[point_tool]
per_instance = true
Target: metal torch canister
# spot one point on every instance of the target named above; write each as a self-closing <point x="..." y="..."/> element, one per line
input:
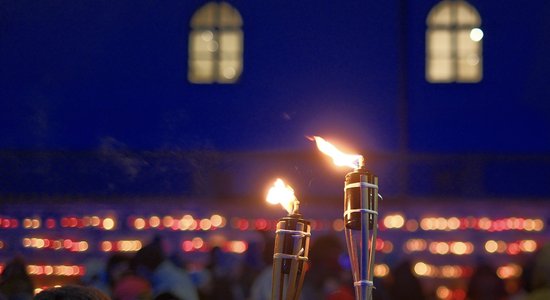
<point x="290" y="256"/>
<point x="362" y="188"/>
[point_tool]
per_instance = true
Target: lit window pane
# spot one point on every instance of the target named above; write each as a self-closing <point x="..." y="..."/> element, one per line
<point x="230" y="70"/>
<point x="231" y="41"/>
<point x="439" y="43"/>
<point x="440" y="15"/>
<point x="468" y="70"/>
<point x="229" y="17"/>
<point x="205" y="16"/>
<point x="202" y="71"/>
<point x="466" y="15"/>
<point x="465" y="45"/>
<point x="440" y="70"/>
<point x="198" y="43"/>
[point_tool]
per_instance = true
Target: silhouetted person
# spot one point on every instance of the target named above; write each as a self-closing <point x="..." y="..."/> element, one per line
<point x="221" y="285"/>
<point x="324" y="279"/>
<point x="485" y="284"/>
<point x="251" y="268"/>
<point x="15" y="283"/>
<point x="166" y="296"/>
<point x="403" y="283"/>
<point x="165" y="277"/>
<point x="132" y="287"/>
<point x="261" y="287"/>
<point x="72" y="292"/>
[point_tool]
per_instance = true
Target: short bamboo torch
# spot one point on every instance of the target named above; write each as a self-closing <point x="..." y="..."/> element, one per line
<point x="291" y="245"/>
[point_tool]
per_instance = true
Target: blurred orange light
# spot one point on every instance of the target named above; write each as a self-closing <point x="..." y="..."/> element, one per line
<point x="261" y="224"/>
<point x="154" y="221"/>
<point x="238" y="246"/>
<point x="459" y="248"/>
<point x="216" y="220"/>
<point x="108" y="223"/>
<point x="167" y="221"/>
<point x="197" y="243"/>
<point x="421" y="269"/>
<point x="381" y="270"/>
<point x="187" y="246"/>
<point x="50" y="223"/>
<point x="491" y="246"/>
<point x="539" y="225"/>
<point x="528" y="246"/>
<point x="205" y="224"/>
<point x="139" y="223"/>
<point x="106" y="246"/>
<point x="443" y="292"/>
<point x="394" y="221"/>
<point x="67" y="244"/>
<point x="338" y="225"/>
<point x="411" y="225"/>
<point x="95" y="221"/>
<point x="453" y="223"/>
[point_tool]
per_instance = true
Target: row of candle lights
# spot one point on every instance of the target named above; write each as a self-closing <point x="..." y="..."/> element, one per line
<point x="199" y="244"/>
<point x="216" y="221"/>
<point x="194" y="244"/>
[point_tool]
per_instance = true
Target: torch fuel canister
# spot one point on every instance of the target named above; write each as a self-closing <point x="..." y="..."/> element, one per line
<point x="288" y="242"/>
<point x="360" y="185"/>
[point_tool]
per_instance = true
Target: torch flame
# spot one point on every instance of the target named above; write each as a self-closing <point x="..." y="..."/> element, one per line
<point x="338" y="157"/>
<point x="283" y="194"/>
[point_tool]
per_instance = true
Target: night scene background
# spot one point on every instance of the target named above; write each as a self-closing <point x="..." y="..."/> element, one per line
<point x="106" y="143"/>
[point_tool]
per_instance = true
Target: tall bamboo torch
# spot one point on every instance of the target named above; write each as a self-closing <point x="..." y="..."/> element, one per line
<point x="360" y="216"/>
<point x="291" y="245"/>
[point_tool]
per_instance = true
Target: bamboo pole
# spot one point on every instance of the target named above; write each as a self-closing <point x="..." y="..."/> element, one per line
<point x="365" y="253"/>
<point x="278" y="283"/>
<point x="294" y="264"/>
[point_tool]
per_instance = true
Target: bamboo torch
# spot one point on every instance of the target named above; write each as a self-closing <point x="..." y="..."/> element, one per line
<point x="360" y="216"/>
<point x="291" y="245"/>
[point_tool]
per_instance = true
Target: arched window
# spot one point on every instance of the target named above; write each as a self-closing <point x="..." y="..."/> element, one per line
<point x="215" y="44"/>
<point x="454" y="43"/>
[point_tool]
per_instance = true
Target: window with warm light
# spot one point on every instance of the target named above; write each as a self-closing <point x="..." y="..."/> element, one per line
<point x="215" y="44"/>
<point x="454" y="43"/>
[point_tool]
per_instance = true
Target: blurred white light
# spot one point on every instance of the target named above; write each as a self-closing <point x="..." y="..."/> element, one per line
<point x="476" y="34"/>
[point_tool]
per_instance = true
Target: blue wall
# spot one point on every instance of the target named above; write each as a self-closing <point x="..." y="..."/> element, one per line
<point x="106" y="77"/>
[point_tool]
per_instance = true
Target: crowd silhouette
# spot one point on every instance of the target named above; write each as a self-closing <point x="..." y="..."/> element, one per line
<point x="150" y="274"/>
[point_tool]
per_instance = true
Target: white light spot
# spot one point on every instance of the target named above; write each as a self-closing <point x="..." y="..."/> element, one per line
<point x="212" y="46"/>
<point x="207" y="35"/>
<point x="476" y="34"/>
<point x="229" y="72"/>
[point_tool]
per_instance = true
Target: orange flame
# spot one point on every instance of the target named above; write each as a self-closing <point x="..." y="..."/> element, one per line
<point x="338" y="157"/>
<point x="282" y="194"/>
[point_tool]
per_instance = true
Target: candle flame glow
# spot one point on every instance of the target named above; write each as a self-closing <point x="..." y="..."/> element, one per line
<point x="283" y="194"/>
<point x="338" y="157"/>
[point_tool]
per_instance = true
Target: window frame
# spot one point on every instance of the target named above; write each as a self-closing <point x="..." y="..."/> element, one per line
<point x="211" y="22"/>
